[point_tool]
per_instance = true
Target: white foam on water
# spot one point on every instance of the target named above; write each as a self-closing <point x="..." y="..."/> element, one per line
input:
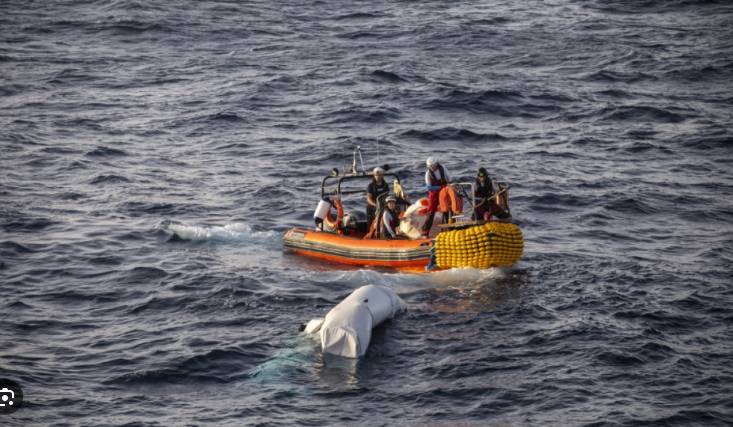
<point x="404" y="283"/>
<point x="228" y="233"/>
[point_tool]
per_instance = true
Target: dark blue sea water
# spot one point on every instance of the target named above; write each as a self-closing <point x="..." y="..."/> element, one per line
<point x="154" y="153"/>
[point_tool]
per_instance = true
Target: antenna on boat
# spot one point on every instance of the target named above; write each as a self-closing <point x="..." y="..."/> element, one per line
<point x="353" y="161"/>
<point x="354" y="171"/>
<point x="377" y="150"/>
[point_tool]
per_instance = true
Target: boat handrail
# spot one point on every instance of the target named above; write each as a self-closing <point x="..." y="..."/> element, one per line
<point x="470" y="196"/>
<point x="502" y="185"/>
<point x="346" y="178"/>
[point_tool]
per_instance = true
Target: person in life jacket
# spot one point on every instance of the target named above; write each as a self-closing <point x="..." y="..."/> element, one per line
<point x="390" y="219"/>
<point x="376" y="188"/>
<point x="483" y="190"/>
<point x="486" y="203"/>
<point x="436" y="177"/>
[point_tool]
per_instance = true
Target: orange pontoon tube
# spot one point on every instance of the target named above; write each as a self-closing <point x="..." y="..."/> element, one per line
<point x="398" y="254"/>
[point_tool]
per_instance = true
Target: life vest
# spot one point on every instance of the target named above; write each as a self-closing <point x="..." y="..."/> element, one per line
<point x="484" y="191"/>
<point x="449" y="200"/>
<point x="434" y="180"/>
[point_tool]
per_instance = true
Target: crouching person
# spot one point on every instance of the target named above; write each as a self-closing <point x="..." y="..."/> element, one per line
<point x="390" y="219"/>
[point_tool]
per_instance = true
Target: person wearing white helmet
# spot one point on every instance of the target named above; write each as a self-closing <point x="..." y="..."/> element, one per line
<point x="390" y="219"/>
<point x="376" y="188"/>
<point x="436" y="177"/>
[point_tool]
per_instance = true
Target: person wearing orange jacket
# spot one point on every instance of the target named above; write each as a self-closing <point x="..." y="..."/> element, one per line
<point x="436" y="177"/>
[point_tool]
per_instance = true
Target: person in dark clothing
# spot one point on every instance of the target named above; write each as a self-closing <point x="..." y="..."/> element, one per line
<point x="486" y="203"/>
<point x="376" y="188"/>
<point x="483" y="190"/>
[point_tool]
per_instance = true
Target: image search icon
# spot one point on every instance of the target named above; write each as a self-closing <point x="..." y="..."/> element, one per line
<point x="6" y="397"/>
<point x="11" y="396"/>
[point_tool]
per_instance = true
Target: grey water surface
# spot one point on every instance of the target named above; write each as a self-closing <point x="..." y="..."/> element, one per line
<point x="152" y="154"/>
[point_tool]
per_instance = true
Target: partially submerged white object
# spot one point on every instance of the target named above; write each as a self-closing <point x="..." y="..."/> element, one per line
<point x="347" y="328"/>
<point x="313" y="326"/>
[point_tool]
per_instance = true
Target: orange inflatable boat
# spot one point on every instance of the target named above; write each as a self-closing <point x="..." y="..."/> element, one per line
<point x="345" y="237"/>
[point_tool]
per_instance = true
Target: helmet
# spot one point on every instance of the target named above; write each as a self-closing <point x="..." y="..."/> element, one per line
<point x="390" y="198"/>
<point x="378" y="170"/>
<point x="482" y="172"/>
<point x="430" y="162"/>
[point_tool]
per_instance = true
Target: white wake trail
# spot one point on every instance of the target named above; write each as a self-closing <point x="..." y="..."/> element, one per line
<point x="228" y="233"/>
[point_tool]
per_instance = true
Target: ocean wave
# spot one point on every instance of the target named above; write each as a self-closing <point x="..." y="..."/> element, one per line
<point x="10" y="248"/>
<point x="708" y="143"/>
<point x="220" y="365"/>
<point x="644" y="113"/>
<point x="229" y="233"/>
<point x="611" y="76"/>
<point x="479" y="97"/>
<point x="140" y="208"/>
<point x="128" y="27"/>
<point x="493" y="102"/>
<point x="624" y="359"/>
<point x="559" y="201"/>
<point x="358" y="16"/>
<point x="496" y="20"/>
<point x="361" y="34"/>
<point x="144" y="274"/>
<point x="707" y="72"/>
<point x="70" y="76"/>
<point x="451" y="134"/>
<point x="109" y="179"/>
<point x="102" y="151"/>
<point x="630" y="205"/>
<point x="27" y="224"/>
<point x="387" y="76"/>
<point x="647" y="6"/>
<point x="224" y="116"/>
<point x="360" y="114"/>
<point x="12" y="89"/>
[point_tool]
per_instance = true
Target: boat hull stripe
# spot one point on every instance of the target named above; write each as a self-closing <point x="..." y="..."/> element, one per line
<point x="360" y="254"/>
